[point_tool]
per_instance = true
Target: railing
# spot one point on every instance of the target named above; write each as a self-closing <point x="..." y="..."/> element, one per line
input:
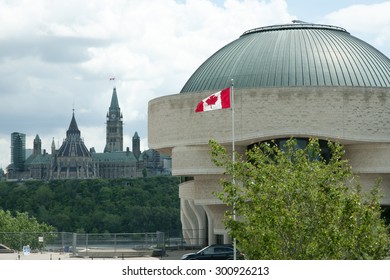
<point x="87" y="244"/>
<point x="187" y="239"/>
<point x="101" y="245"/>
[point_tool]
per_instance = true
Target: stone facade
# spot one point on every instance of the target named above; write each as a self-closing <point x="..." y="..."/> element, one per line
<point x="355" y="115"/>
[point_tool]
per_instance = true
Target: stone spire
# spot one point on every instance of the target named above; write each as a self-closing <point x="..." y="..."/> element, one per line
<point x="73" y="159"/>
<point x="53" y="147"/>
<point x="37" y="149"/>
<point x="73" y="145"/>
<point x="114" y="101"/>
<point x="73" y="128"/>
<point x="136" y="145"/>
<point x="114" y="126"/>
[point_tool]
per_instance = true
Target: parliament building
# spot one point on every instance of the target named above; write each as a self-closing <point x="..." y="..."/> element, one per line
<point x="73" y="160"/>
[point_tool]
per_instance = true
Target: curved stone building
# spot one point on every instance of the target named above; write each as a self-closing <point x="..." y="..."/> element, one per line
<point x="295" y="80"/>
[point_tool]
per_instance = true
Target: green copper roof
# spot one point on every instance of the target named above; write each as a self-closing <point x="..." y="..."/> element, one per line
<point x="114" y="100"/>
<point x="73" y="128"/>
<point x="293" y="55"/>
<point x="73" y="145"/>
<point x="38" y="159"/>
<point x="115" y="156"/>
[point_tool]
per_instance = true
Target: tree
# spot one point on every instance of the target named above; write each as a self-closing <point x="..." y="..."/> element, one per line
<point x="21" y="229"/>
<point x="293" y="204"/>
<point x="81" y="205"/>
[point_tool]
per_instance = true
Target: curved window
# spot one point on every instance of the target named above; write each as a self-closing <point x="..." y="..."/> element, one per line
<point x="301" y="144"/>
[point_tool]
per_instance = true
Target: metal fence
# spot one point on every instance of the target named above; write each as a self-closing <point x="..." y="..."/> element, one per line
<point x="87" y="244"/>
<point x="37" y="241"/>
<point x="104" y="244"/>
<point x="187" y="239"/>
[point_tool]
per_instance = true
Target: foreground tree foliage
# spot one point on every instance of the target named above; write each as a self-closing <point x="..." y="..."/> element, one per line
<point x="292" y="204"/>
<point x="21" y="225"/>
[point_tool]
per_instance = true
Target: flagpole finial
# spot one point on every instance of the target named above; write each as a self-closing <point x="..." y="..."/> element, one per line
<point x="232" y="81"/>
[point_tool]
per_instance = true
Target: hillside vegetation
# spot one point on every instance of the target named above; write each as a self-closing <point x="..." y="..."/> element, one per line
<point x="99" y="205"/>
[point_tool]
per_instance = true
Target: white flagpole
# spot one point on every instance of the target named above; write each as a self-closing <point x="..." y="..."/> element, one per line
<point x="232" y="103"/>
<point x="233" y="161"/>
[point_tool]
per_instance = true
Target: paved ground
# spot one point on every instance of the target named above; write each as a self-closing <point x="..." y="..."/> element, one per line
<point x="170" y="255"/>
<point x="36" y="256"/>
<point x="176" y="254"/>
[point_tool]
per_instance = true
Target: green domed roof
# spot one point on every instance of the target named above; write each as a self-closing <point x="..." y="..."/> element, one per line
<point x="293" y="55"/>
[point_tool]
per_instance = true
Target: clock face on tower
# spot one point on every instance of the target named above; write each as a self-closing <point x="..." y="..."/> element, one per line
<point x="113" y="116"/>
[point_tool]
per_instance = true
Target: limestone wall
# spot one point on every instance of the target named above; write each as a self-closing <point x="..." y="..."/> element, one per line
<point x="350" y="114"/>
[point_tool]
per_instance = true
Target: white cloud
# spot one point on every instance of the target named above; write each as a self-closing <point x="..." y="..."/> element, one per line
<point x="370" y="22"/>
<point x="5" y="146"/>
<point x="56" y="55"/>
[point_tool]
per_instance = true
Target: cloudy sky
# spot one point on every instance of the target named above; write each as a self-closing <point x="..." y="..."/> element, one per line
<point x="56" y="55"/>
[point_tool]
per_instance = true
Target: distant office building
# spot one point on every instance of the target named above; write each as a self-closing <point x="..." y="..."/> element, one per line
<point x="18" y="150"/>
<point x="18" y="154"/>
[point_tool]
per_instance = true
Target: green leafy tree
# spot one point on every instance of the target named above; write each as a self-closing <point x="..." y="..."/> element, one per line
<point x="291" y="203"/>
<point x="21" y="229"/>
<point x="98" y="205"/>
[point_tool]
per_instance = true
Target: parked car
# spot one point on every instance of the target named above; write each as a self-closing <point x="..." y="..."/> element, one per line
<point x="5" y="249"/>
<point x="213" y="252"/>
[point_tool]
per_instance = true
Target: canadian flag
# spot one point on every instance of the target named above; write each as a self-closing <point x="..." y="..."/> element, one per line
<point x="218" y="100"/>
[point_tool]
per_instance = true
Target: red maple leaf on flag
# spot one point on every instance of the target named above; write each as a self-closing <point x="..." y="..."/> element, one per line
<point x="212" y="100"/>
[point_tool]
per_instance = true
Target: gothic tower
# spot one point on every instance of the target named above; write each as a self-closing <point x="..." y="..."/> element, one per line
<point x="114" y="126"/>
<point x="37" y="149"/>
<point x="136" y="145"/>
<point x="53" y="147"/>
